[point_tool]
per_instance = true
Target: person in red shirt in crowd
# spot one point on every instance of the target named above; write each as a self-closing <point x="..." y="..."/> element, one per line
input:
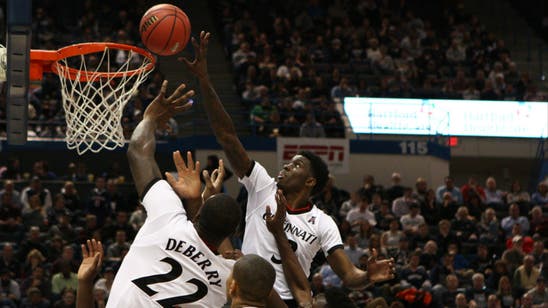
<point x="472" y="188"/>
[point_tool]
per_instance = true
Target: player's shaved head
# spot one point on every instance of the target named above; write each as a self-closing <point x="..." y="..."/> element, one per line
<point x="219" y="217"/>
<point x="254" y="276"/>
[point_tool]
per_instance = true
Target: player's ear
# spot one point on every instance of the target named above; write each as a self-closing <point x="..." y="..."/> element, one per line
<point x="310" y="182"/>
<point x="232" y="289"/>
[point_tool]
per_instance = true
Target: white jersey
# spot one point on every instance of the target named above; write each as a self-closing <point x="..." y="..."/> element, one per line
<point x="308" y="231"/>
<point x="168" y="264"/>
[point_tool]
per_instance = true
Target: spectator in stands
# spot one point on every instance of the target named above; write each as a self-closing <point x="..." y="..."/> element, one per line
<point x="390" y="240"/>
<point x="493" y="197"/>
<point x="421" y="189"/>
<point x="260" y="116"/>
<point x="413" y="273"/>
<point x="489" y="226"/>
<point x="514" y="218"/>
<point x="58" y="209"/>
<point x="68" y="299"/>
<point x="445" y="236"/>
<point x="67" y="257"/>
<point x="464" y="225"/>
<point x="456" y="53"/>
<point x="514" y="255"/>
<point x="37" y="279"/>
<point x="462" y="302"/>
<point x="137" y="218"/>
<point x="98" y="201"/>
<point x="33" y="241"/>
<point x="116" y="250"/>
<point x="518" y="195"/>
<point x="9" y="288"/>
<point x="242" y="55"/>
<point x="450" y="188"/>
<point x="35" y="188"/>
<point x="105" y="283"/>
<point x="349" y="204"/>
<point x="383" y="216"/>
<point x="401" y="205"/>
<point x="539" y="294"/>
<point x="540" y="197"/>
<point x="9" y="262"/>
<point x="395" y="190"/>
<point x="369" y="187"/>
<point x="40" y="170"/>
<point x="539" y="223"/>
<point x="472" y="188"/>
<point x="352" y="250"/>
<point x="66" y="278"/>
<point x="526" y="275"/>
<point x="478" y="292"/>
<point x="429" y="208"/>
<point x="422" y="236"/>
<point x="342" y="90"/>
<point x="9" y="188"/>
<point x="36" y="216"/>
<point x="448" y="207"/>
<point x="411" y="221"/>
<point x="120" y="223"/>
<point x="505" y="293"/>
<point x="361" y="213"/>
<point x="71" y="198"/>
<point x="63" y="228"/>
<point x="540" y="254"/>
<point x="11" y="227"/>
<point x="311" y="128"/>
<point x="445" y="294"/>
<point x="430" y="255"/>
<point x="116" y="200"/>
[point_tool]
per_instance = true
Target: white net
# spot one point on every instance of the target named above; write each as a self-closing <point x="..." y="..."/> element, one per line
<point x="95" y="97"/>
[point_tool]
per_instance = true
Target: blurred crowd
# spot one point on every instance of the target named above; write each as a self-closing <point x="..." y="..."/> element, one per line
<point x="294" y="61"/>
<point x="476" y="245"/>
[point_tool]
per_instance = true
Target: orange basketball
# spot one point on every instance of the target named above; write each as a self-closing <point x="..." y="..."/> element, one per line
<point x="165" y="29"/>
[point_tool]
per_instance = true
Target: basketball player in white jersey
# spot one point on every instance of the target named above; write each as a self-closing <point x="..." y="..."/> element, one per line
<point x="308" y="228"/>
<point x="173" y="261"/>
<point x="249" y="284"/>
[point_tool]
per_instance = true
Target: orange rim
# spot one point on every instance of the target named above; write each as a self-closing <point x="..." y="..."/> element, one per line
<point x="48" y="61"/>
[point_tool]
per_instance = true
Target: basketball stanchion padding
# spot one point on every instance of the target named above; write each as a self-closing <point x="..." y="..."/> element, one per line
<point x="97" y="80"/>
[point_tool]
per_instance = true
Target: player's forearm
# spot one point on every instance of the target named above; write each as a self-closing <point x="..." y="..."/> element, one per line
<point x="356" y="279"/>
<point x="141" y="155"/>
<point x="223" y="128"/>
<point x="294" y="274"/>
<point x="84" y="295"/>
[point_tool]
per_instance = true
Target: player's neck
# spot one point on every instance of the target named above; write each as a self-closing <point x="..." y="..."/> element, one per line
<point x="242" y="303"/>
<point x="297" y="201"/>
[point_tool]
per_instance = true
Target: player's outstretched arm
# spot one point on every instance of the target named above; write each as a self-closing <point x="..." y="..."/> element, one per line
<point x="294" y="274"/>
<point x="91" y="263"/>
<point x="355" y="278"/>
<point x="143" y="141"/>
<point x="220" y="121"/>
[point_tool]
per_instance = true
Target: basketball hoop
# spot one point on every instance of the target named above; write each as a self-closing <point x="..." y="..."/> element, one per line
<point x="97" y="81"/>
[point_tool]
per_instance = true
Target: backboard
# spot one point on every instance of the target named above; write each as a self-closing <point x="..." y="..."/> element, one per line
<point x="18" y="61"/>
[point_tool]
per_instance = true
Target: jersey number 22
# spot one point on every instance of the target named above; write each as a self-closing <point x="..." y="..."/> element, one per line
<point x="176" y="271"/>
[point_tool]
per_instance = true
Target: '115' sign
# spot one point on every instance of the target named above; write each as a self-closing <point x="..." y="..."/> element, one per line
<point x="414" y="147"/>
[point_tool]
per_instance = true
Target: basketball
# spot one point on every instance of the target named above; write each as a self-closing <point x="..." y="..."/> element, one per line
<point x="165" y="29"/>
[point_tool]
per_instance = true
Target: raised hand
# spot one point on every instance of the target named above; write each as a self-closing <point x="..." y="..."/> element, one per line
<point x="162" y="108"/>
<point x="187" y="185"/>
<point x="382" y="270"/>
<point x="275" y="223"/>
<point x="92" y="260"/>
<point x="213" y="183"/>
<point x="199" y="65"/>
